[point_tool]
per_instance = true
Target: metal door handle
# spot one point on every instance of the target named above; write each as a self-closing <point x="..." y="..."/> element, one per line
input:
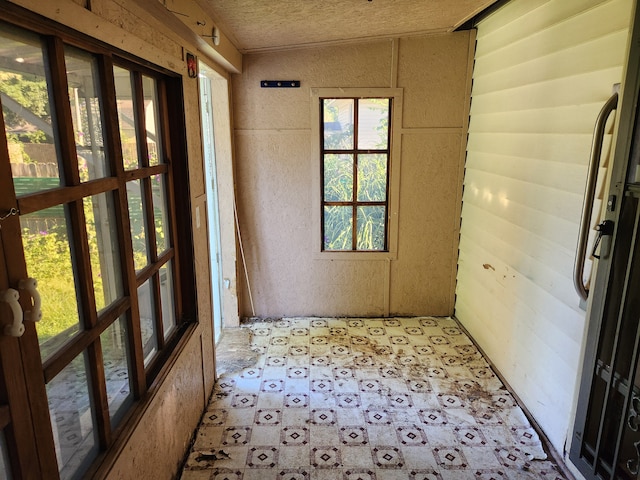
<point x="589" y="194"/>
<point x="605" y="229"/>
<point x="31" y="286"/>
<point x="16" y="327"/>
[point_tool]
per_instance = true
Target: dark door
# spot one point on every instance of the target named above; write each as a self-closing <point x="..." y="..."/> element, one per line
<point x="606" y="437"/>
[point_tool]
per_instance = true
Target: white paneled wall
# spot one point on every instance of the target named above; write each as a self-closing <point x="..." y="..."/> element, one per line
<point x="543" y="70"/>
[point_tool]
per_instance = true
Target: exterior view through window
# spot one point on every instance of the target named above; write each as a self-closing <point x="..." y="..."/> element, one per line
<point x="355" y="150"/>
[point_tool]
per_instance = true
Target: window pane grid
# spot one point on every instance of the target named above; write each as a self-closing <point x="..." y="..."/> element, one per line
<point x="79" y="111"/>
<point x="151" y="220"/>
<point x="355" y="150"/>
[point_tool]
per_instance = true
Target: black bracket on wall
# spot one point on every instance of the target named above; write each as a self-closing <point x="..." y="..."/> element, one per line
<point x="280" y="83"/>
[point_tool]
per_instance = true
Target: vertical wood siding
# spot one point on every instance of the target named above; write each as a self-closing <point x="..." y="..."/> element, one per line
<point x="543" y="70"/>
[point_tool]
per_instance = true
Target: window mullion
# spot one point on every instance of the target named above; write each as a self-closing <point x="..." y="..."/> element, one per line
<point x="113" y="143"/>
<point x="388" y="186"/>
<point x="147" y="199"/>
<point x="322" y="176"/>
<point x="147" y="203"/>
<point x="113" y="146"/>
<point x="386" y="203"/>
<point x="153" y="250"/>
<point x="354" y="199"/>
<point x="155" y="287"/>
<point x="354" y="209"/>
<point x="141" y="128"/>
<point x="64" y="120"/>
<point x="354" y="226"/>
<point x="82" y="264"/>
<point x="99" y="393"/>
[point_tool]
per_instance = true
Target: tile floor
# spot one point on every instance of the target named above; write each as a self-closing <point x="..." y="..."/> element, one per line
<point x="364" y="399"/>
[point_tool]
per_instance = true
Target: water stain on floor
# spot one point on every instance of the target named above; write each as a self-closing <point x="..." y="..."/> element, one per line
<point x="233" y="352"/>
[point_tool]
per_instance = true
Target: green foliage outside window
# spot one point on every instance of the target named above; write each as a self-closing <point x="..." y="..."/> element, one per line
<point x="30" y="92"/>
<point x="48" y="261"/>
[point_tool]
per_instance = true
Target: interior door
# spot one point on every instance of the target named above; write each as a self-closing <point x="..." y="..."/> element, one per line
<point x="606" y="437"/>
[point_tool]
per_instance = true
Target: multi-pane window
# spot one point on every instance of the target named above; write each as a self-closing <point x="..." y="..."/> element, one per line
<point x="355" y="152"/>
<point x="150" y="227"/>
<point x="94" y="145"/>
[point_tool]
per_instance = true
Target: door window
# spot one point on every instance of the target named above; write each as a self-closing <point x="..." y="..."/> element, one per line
<point x="98" y="229"/>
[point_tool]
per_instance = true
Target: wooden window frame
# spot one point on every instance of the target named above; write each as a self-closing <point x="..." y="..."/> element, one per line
<point x="355" y="152"/>
<point x="393" y="173"/>
<point x="143" y="382"/>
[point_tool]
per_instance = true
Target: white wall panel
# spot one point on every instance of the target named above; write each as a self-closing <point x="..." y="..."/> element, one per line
<point x="543" y="69"/>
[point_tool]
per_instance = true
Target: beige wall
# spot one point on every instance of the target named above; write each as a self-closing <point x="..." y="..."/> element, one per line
<point x="155" y="446"/>
<point x="274" y="168"/>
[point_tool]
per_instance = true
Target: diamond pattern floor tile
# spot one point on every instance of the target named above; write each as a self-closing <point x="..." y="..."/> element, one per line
<point x="363" y="399"/>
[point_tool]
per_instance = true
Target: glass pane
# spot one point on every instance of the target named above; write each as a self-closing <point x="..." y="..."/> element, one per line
<point x="166" y="296"/>
<point x="72" y="419"/>
<point x="86" y="111"/>
<point x="634" y="168"/>
<point x="372" y="178"/>
<point x="338" y="228"/>
<point x="373" y="123"/>
<point x="115" y="355"/>
<point x="27" y="114"/>
<point x="151" y="120"/>
<point x="126" y="118"/>
<point x="138" y="224"/>
<point x="338" y="123"/>
<point x="5" y="465"/>
<point x="338" y="178"/>
<point x="371" y="228"/>
<point x="47" y="253"/>
<point x="147" y="321"/>
<point x="103" y="248"/>
<point x="160" y="212"/>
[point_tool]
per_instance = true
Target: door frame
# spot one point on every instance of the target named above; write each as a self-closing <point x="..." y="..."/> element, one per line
<point x="226" y="198"/>
<point x="208" y="129"/>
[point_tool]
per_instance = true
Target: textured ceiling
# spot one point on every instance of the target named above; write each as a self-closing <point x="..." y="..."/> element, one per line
<point x="254" y="25"/>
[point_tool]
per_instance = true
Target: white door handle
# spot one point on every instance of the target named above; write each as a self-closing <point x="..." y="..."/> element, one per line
<point x="31" y="286"/>
<point x="16" y="328"/>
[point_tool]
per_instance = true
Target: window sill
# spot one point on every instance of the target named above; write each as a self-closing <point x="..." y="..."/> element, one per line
<point x="352" y="256"/>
